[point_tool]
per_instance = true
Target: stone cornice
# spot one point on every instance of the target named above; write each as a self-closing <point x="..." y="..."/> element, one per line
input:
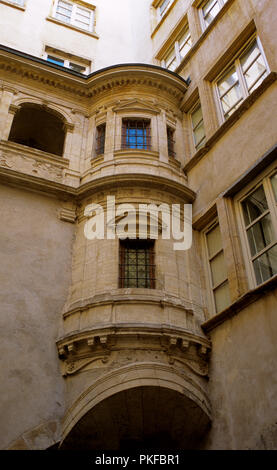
<point x="34" y="183"/>
<point x="39" y="71"/>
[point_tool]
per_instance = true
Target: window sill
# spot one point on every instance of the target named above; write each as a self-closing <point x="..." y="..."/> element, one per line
<point x="70" y="26"/>
<point x="14" y="5"/>
<point x="246" y="104"/>
<point x="240" y="304"/>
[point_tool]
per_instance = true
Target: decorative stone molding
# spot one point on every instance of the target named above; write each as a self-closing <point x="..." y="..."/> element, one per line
<point x="139" y="374"/>
<point x="115" y="77"/>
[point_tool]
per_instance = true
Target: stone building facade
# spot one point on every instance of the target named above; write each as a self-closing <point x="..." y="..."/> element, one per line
<point x="119" y="344"/>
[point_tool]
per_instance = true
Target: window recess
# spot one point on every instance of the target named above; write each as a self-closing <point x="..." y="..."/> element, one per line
<point x="197" y="124"/>
<point x="136" y="134"/>
<point x="173" y="58"/>
<point x="69" y="64"/>
<point x="218" y="280"/>
<point x="137" y="267"/>
<point x="100" y="139"/>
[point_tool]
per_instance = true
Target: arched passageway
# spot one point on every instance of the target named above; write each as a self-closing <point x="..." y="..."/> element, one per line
<point x="38" y="127"/>
<point x="146" y="417"/>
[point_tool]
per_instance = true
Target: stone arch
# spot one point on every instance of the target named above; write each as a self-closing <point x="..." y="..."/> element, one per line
<point x="60" y="111"/>
<point x="40" y="127"/>
<point x="159" y="383"/>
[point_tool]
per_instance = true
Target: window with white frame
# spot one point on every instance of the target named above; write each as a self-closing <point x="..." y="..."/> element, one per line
<point x="259" y="218"/>
<point x="74" y="14"/>
<point x="217" y="272"/>
<point x="178" y="51"/>
<point x="209" y="9"/>
<point x="197" y="124"/>
<point x="163" y="7"/>
<point x="66" y="63"/>
<point x="20" y="3"/>
<point x="241" y="78"/>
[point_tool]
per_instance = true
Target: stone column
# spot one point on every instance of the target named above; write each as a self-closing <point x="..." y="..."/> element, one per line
<point x="163" y="148"/>
<point x="69" y="128"/>
<point x="7" y="112"/>
<point x="113" y="132"/>
<point x="90" y="142"/>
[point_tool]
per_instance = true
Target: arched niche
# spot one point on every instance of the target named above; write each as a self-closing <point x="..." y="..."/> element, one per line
<point x="39" y="127"/>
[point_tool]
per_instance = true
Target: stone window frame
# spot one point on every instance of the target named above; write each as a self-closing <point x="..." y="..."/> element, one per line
<point x="151" y="266"/>
<point x="175" y="47"/>
<point x="264" y="180"/>
<point x="193" y="108"/>
<point x="158" y="18"/>
<point x="134" y="114"/>
<point x="211" y="287"/>
<point x="235" y="62"/>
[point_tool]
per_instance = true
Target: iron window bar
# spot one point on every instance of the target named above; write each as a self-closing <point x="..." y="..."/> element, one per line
<point x="136" y="134"/>
<point x="136" y="267"/>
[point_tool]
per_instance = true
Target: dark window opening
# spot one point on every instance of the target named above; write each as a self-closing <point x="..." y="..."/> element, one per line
<point x="100" y="139"/>
<point x="137" y="268"/>
<point x="136" y="134"/>
<point x="39" y="128"/>
<point x="170" y="142"/>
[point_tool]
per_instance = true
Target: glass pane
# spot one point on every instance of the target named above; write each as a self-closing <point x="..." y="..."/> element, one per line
<point x="164" y="5"/>
<point x="260" y="235"/>
<point x="55" y="60"/>
<point x="249" y="56"/>
<point x="218" y="269"/>
<point x="222" y="297"/>
<point x="185" y="44"/>
<point x="258" y="69"/>
<point x="196" y="116"/>
<point x="254" y="206"/>
<point x="266" y="266"/>
<point x="76" y="67"/>
<point x="210" y="10"/>
<point x="274" y="185"/>
<point x="170" y="60"/>
<point x="214" y="241"/>
<point x="229" y="80"/>
<point x="64" y="11"/>
<point x="199" y="135"/>
<point x="231" y="100"/>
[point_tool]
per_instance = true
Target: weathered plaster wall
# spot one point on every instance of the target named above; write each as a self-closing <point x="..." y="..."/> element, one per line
<point x="243" y="379"/>
<point x="122" y="27"/>
<point x="35" y="272"/>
